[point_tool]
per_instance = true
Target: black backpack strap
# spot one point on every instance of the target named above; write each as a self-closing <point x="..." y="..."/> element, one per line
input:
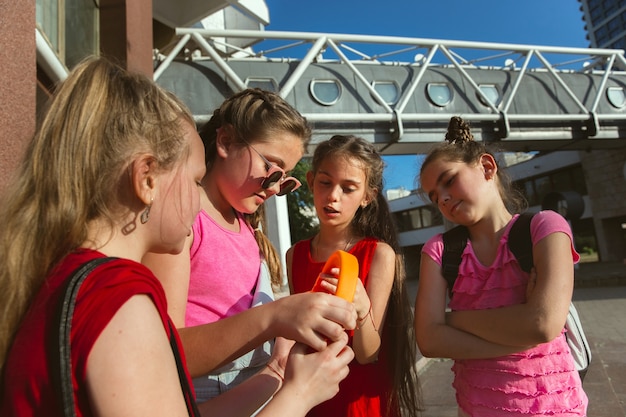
<point x="190" y="400"/>
<point x="520" y="242"/>
<point x="62" y="367"/>
<point x="454" y="242"/>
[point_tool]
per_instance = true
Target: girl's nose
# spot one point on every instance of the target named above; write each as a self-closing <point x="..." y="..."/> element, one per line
<point x="334" y="193"/>
<point x="274" y="189"/>
<point x="444" y="197"/>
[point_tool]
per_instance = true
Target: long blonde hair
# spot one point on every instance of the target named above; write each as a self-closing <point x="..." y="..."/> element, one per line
<point x="76" y="170"/>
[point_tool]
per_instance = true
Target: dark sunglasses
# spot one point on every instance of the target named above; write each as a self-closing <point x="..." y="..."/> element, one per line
<point x="276" y="174"/>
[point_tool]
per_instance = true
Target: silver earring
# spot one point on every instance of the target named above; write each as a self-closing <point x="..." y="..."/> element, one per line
<point x="145" y="215"/>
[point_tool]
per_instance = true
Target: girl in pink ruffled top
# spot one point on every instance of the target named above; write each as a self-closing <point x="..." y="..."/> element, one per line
<point x="505" y="327"/>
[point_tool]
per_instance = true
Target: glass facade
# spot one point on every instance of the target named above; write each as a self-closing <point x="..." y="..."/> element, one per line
<point x="605" y="23"/>
<point x="568" y="179"/>
<point x="70" y="26"/>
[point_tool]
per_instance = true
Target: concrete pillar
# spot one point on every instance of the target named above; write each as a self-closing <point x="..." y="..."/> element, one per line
<point x="126" y="33"/>
<point x="18" y="83"/>
<point x="277" y="220"/>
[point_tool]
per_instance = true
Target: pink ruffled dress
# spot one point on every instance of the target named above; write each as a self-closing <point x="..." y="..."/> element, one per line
<point x="540" y="381"/>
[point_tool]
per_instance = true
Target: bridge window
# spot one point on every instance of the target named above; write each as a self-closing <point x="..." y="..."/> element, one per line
<point x="439" y="94"/>
<point x="491" y="92"/>
<point x="616" y="96"/>
<point x="388" y="90"/>
<point x="267" y="84"/>
<point x="326" y="92"/>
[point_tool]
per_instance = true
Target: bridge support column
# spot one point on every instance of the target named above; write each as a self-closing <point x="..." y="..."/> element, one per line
<point x="277" y="220"/>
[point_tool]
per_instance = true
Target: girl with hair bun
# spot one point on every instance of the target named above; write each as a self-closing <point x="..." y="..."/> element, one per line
<point x="505" y="327"/>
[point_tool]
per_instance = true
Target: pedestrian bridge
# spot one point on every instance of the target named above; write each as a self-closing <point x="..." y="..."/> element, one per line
<point x="400" y="93"/>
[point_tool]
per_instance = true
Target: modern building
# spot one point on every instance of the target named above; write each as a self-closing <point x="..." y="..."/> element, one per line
<point x="605" y="23"/>
<point x="41" y="39"/>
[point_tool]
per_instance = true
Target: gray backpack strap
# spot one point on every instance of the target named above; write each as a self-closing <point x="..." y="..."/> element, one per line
<point x="577" y="342"/>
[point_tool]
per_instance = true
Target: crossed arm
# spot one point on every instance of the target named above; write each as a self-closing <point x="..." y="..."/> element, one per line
<point x="496" y="332"/>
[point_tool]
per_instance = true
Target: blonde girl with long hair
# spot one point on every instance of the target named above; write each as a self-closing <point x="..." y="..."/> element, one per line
<point x="114" y="171"/>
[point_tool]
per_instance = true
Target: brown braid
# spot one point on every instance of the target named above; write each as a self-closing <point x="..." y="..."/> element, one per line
<point x="258" y="223"/>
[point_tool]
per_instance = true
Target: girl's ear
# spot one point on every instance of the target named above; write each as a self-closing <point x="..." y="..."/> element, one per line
<point x="489" y="165"/>
<point x="144" y="178"/>
<point x="225" y="138"/>
<point x="309" y="179"/>
<point x="367" y="199"/>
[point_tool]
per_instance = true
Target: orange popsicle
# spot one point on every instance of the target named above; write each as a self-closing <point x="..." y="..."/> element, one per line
<point x="348" y="274"/>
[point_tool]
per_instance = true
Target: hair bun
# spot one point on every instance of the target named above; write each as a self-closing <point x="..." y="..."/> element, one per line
<point x="458" y="131"/>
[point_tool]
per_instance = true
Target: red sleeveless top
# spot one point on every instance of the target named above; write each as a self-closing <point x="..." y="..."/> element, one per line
<point x="365" y="391"/>
<point x="28" y="379"/>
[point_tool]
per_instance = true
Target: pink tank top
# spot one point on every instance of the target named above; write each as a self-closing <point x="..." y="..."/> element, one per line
<point x="224" y="270"/>
<point x="540" y="381"/>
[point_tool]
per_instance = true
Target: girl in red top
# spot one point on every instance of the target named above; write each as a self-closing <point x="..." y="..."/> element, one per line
<point x="346" y="181"/>
<point x="114" y="171"/>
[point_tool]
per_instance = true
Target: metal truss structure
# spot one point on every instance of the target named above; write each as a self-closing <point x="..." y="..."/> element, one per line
<point x="524" y="97"/>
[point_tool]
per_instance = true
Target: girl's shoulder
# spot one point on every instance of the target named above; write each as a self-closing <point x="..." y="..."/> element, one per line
<point x="547" y="222"/>
<point x="434" y="247"/>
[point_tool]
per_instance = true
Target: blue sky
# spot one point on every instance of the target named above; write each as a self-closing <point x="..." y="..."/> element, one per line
<point x="531" y="22"/>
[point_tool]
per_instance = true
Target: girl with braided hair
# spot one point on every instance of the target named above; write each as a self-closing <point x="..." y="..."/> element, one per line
<point x="220" y="287"/>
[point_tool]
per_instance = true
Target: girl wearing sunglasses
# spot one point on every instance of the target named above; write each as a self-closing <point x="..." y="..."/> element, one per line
<point x="222" y="308"/>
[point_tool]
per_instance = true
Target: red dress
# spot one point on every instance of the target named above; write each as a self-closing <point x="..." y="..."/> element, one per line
<point x="28" y="384"/>
<point x="365" y="391"/>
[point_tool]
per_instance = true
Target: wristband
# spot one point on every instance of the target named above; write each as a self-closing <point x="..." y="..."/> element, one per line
<point x="361" y="321"/>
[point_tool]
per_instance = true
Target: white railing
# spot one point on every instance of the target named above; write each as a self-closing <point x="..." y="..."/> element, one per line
<point x="356" y="51"/>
